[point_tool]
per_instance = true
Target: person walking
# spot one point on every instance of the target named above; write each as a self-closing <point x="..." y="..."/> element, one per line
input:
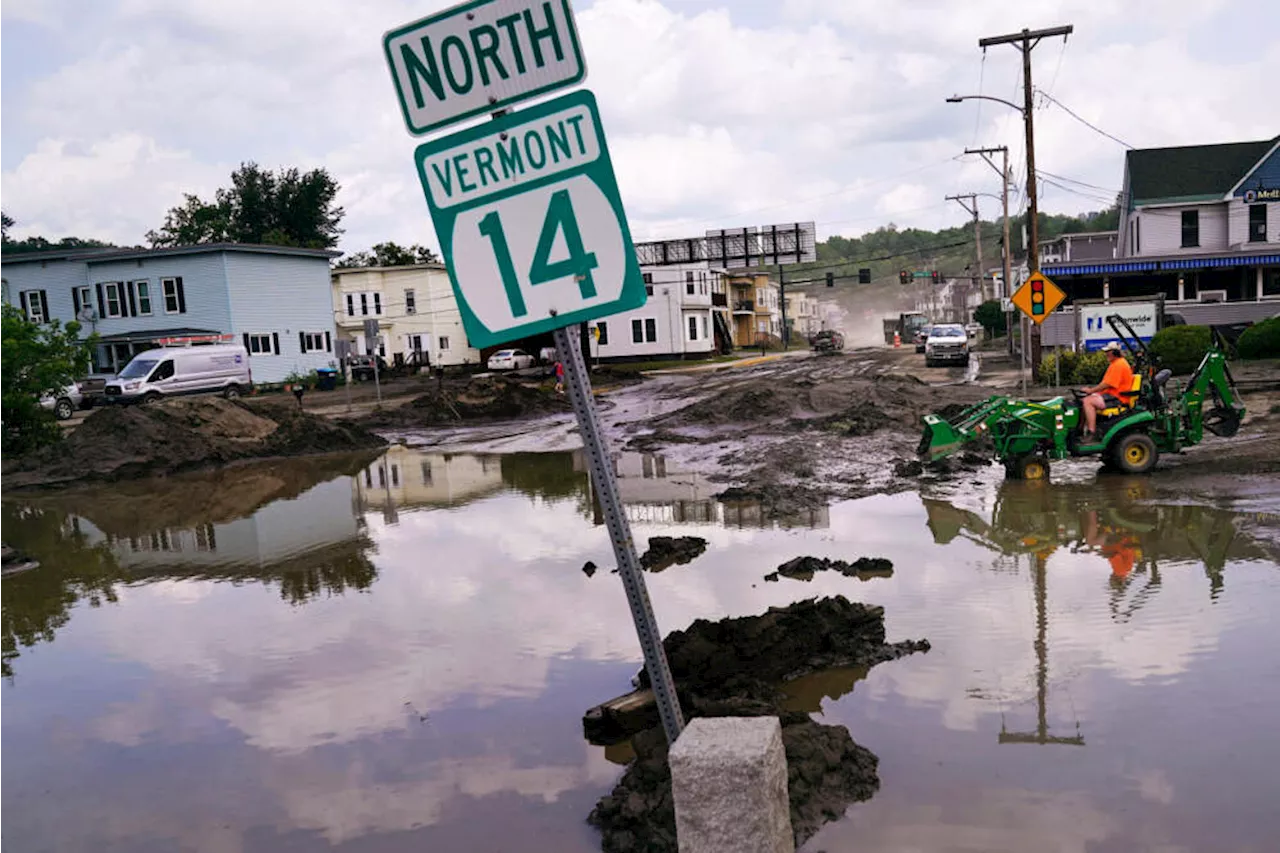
<point x="560" y="378"/>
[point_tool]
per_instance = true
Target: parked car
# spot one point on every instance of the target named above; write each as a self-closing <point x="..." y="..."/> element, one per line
<point x="922" y="335"/>
<point x="947" y="342"/>
<point x="173" y="371"/>
<point x="547" y="355"/>
<point x="510" y="359"/>
<point x="362" y="367"/>
<point x="65" y="402"/>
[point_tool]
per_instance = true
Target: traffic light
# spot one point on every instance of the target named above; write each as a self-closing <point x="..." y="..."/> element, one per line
<point x="1037" y="297"/>
<point x="936" y="278"/>
<point x="864" y="275"/>
<point x="831" y="279"/>
<point x="904" y="277"/>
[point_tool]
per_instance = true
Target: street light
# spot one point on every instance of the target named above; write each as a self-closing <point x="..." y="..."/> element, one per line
<point x="955" y="99"/>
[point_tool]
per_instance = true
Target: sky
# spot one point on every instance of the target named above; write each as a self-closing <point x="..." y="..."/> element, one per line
<point x="718" y="114"/>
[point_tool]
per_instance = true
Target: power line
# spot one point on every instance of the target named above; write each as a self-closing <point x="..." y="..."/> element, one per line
<point x="1085" y="122"/>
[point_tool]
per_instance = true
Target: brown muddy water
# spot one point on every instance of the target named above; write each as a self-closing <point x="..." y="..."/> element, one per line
<point x="396" y="654"/>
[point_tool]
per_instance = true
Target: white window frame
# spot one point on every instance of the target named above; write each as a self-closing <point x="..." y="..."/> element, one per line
<point x="109" y="287"/>
<point x="377" y="304"/>
<point x="313" y="342"/>
<point x="702" y="325"/>
<point x="1201" y="294"/>
<point x="139" y="287"/>
<point x="262" y="339"/>
<point x="351" y="304"/>
<point x="443" y="342"/>
<point x="169" y="290"/>
<point x="364" y="305"/>
<point x="693" y="327"/>
<point x="650" y="325"/>
<point x="35" y="308"/>
<point x="86" y="298"/>
<point x="603" y="326"/>
<point x="410" y="301"/>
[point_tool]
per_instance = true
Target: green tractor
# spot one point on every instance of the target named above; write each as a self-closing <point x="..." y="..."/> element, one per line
<point x="1152" y="420"/>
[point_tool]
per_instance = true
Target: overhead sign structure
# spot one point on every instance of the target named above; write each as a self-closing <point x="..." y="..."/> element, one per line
<point x="1096" y="332"/>
<point x="530" y="221"/>
<point x="1038" y="297"/>
<point x="481" y="57"/>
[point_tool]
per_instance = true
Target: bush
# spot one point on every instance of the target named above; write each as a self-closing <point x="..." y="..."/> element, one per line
<point x="1261" y="340"/>
<point x="1181" y="348"/>
<point x="989" y="316"/>
<point x="1078" y="368"/>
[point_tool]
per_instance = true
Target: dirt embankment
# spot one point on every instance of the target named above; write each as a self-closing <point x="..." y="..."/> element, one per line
<point x="480" y="399"/>
<point x="122" y="442"/>
<point x="734" y="667"/>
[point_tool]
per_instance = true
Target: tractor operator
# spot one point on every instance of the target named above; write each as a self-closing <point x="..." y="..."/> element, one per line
<point x="1116" y="383"/>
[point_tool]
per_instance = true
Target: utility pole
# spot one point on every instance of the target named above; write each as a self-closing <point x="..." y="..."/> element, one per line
<point x="1005" y="180"/>
<point x="1026" y="42"/>
<point x="782" y="298"/>
<point x="977" y="235"/>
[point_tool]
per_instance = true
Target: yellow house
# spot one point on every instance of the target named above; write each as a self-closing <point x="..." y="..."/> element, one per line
<point x="754" y="304"/>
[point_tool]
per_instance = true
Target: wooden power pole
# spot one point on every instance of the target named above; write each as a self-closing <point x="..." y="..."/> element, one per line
<point x="969" y="202"/>
<point x="1007" y="248"/>
<point x="1026" y="41"/>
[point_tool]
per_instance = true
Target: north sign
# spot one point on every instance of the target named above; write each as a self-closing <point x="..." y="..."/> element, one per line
<point x="481" y="57"/>
<point x="530" y="222"/>
<point x="1038" y="297"/>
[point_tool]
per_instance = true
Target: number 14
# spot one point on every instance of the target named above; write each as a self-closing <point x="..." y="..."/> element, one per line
<point x="579" y="264"/>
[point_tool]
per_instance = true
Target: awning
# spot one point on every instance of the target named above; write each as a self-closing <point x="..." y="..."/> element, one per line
<point x="1159" y="264"/>
<point x="150" y="335"/>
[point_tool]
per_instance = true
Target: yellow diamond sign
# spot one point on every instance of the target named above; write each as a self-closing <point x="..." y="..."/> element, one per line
<point x="1038" y="297"/>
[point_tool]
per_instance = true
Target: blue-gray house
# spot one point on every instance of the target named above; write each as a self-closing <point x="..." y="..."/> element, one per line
<point x="275" y="299"/>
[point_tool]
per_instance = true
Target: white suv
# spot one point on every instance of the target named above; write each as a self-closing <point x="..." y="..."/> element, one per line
<point x="947" y="342"/>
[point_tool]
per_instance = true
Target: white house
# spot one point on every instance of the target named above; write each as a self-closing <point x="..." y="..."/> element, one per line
<point x="273" y="298"/>
<point x="679" y="319"/>
<point x="418" y="317"/>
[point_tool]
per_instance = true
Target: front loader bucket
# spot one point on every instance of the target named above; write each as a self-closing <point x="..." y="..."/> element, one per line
<point x="940" y="438"/>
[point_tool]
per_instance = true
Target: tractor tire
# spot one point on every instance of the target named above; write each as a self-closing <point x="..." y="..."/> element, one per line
<point x="1134" y="453"/>
<point x="1033" y="466"/>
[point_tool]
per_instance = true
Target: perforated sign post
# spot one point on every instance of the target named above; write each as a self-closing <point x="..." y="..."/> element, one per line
<point x="531" y="227"/>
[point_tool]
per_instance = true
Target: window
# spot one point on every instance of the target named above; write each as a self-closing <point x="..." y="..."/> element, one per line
<point x="648" y="283"/>
<point x="1137" y="235"/>
<point x="395" y="475"/>
<point x="410" y="302"/>
<point x="35" y="304"/>
<point x="364" y="304"/>
<point x="83" y="298"/>
<point x="762" y="325"/>
<point x="377" y="304"/>
<point x="175" y="300"/>
<point x="143" y="289"/>
<point x="351" y="305"/>
<point x="415" y="343"/>
<point x="637" y="332"/>
<point x="702" y="325"/>
<point x="259" y="344"/>
<point x="1271" y="283"/>
<point x="688" y="283"/>
<point x="603" y="329"/>
<point x="444" y="342"/>
<point x="427" y="479"/>
<point x="164" y="371"/>
<point x="693" y="328"/>
<point x="651" y="330"/>
<point x="1257" y="223"/>
<point x="1190" y="228"/>
<point x="114" y="306"/>
<point x="311" y="341"/>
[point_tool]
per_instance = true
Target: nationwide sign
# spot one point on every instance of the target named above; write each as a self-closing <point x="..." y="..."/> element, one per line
<point x="482" y="57"/>
<point x="530" y="221"/>
<point x="1096" y="332"/>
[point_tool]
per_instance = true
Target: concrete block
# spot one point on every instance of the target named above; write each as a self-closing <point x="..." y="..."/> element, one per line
<point x="729" y="783"/>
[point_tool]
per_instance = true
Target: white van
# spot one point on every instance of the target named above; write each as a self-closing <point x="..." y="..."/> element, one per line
<point x="172" y="371"/>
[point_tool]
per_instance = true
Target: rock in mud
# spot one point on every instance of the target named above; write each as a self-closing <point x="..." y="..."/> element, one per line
<point x="120" y="442"/>
<point x="776" y="500"/>
<point x="908" y="468"/>
<point x="482" y="398"/>
<point x="804" y="568"/>
<point x="666" y="551"/>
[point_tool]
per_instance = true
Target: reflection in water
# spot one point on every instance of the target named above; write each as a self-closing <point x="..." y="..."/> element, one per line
<point x="287" y="524"/>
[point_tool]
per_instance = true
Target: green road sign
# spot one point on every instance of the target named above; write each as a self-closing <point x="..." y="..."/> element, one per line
<point x="530" y="222"/>
<point x="480" y="57"/>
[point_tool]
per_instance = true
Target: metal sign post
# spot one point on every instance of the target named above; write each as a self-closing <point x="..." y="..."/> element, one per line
<point x="600" y="465"/>
<point x="372" y="337"/>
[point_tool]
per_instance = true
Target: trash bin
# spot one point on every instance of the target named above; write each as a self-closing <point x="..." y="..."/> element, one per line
<point x="326" y="379"/>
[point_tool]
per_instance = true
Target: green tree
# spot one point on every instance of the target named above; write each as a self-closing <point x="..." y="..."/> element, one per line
<point x="389" y="255"/>
<point x="989" y="316"/>
<point x="284" y="208"/>
<point x="38" y="359"/>
<point x="42" y="244"/>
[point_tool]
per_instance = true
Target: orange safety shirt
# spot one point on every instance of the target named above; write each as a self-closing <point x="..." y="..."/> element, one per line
<point x="1118" y="379"/>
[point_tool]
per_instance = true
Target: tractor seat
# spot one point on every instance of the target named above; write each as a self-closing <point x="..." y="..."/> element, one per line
<point x="1155" y="393"/>
<point x="1127" y="399"/>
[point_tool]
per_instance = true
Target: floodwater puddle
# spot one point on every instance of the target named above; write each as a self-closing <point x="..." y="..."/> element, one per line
<point x="389" y="652"/>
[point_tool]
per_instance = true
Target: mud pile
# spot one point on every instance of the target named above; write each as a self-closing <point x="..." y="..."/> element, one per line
<point x="483" y="398"/>
<point x="667" y="551"/>
<point x="734" y="667"/>
<point x="804" y="568"/>
<point x="121" y="442"/>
